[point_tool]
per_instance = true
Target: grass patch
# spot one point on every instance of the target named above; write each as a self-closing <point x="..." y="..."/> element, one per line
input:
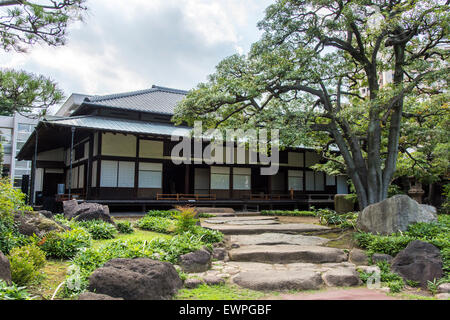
<point x="138" y="235"/>
<point x="218" y="292"/>
<point x="55" y="273"/>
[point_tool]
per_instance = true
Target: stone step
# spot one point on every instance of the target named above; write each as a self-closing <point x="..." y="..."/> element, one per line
<point x="277" y="238"/>
<point x="287" y="254"/>
<point x="235" y="214"/>
<point x="245" y="222"/>
<point x="292" y="228"/>
<point x="279" y="280"/>
<point x="222" y="220"/>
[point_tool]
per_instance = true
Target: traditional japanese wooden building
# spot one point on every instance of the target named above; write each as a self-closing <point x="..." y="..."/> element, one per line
<point x="116" y="150"/>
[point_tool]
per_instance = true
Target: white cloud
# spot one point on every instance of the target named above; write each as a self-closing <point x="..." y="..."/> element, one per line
<point x="130" y="45"/>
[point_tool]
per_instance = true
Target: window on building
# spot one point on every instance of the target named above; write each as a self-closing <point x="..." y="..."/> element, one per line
<point x="242" y="178"/>
<point x="220" y="178"/>
<point x="150" y="175"/>
<point x="315" y="181"/>
<point x="117" y="174"/>
<point x="295" y="180"/>
<point x="5" y="139"/>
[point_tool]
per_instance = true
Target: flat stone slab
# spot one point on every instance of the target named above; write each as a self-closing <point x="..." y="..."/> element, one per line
<point x="242" y="220"/>
<point x="287" y="254"/>
<point x="234" y="214"/>
<point x="277" y="238"/>
<point x="279" y="281"/>
<point x="292" y="228"/>
<point x="336" y="294"/>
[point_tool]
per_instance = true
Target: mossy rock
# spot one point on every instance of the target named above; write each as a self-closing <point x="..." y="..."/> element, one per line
<point x="30" y="223"/>
<point x="342" y="204"/>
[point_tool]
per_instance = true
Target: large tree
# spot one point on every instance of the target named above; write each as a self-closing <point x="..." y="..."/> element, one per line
<point x="24" y="23"/>
<point x="317" y="74"/>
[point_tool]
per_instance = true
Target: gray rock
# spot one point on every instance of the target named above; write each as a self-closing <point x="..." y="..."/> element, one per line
<point x="271" y="228"/>
<point x="280" y="280"/>
<point x="192" y="283"/>
<point x="341" y="277"/>
<point x="70" y="207"/>
<point x="443" y="296"/>
<point x="213" y="280"/>
<point x="197" y="261"/>
<point x="278" y="238"/>
<point x="5" y="269"/>
<point x="429" y="208"/>
<point x="343" y="205"/>
<point x="219" y="253"/>
<point x="358" y="257"/>
<point x="419" y="261"/>
<point x="29" y="223"/>
<point x="393" y="215"/>
<point x="444" y="288"/>
<point x="287" y="254"/>
<point x="96" y="296"/>
<point x="47" y="214"/>
<point x="136" y="279"/>
<point x="86" y="211"/>
<point x="377" y="257"/>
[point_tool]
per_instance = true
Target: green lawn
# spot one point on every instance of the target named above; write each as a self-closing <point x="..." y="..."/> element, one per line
<point x="137" y="235"/>
<point x="218" y="292"/>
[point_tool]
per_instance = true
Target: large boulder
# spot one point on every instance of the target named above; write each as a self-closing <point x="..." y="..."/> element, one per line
<point x="393" y="215"/>
<point x="5" y="269"/>
<point x="136" y="279"/>
<point x="342" y="204"/>
<point x="419" y="261"/>
<point x="197" y="261"/>
<point x="86" y="211"/>
<point x="29" y="223"/>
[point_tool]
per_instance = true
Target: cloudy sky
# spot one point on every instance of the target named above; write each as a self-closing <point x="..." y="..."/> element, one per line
<point x="130" y="45"/>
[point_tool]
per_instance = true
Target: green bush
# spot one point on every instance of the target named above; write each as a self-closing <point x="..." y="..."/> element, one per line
<point x="12" y="201"/>
<point x="13" y="292"/>
<point x="65" y="245"/>
<point x="10" y="236"/>
<point x="293" y="213"/>
<point x="125" y="227"/>
<point x="25" y="263"/>
<point x="328" y="216"/>
<point x="185" y="219"/>
<point x="163" y="225"/>
<point x="162" y="213"/>
<point x="206" y="235"/>
<point x="99" y="230"/>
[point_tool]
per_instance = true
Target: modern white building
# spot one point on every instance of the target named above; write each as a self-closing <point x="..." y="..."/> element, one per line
<point x="14" y="132"/>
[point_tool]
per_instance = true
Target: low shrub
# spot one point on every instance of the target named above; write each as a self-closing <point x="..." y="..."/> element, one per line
<point x="10" y="236"/>
<point x="162" y="213"/>
<point x="13" y="292"/>
<point x="125" y="227"/>
<point x="387" y="278"/>
<point x="207" y="235"/>
<point x="65" y="245"/>
<point x="185" y="219"/>
<point x="346" y="220"/>
<point x="157" y="224"/>
<point x="99" y="230"/>
<point x="12" y="201"/>
<point x="25" y="263"/>
<point x="293" y="213"/>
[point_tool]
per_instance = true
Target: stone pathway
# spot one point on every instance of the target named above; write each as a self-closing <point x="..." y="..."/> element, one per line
<point x="264" y="254"/>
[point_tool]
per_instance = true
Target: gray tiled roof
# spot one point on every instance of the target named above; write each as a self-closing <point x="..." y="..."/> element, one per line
<point x="157" y="99"/>
<point x="119" y="125"/>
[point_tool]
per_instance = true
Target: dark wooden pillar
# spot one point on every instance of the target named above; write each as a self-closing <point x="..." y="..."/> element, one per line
<point x="187" y="171"/>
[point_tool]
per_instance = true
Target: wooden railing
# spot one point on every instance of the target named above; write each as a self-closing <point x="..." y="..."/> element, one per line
<point x="291" y="196"/>
<point x="65" y="197"/>
<point x="184" y="196"/>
